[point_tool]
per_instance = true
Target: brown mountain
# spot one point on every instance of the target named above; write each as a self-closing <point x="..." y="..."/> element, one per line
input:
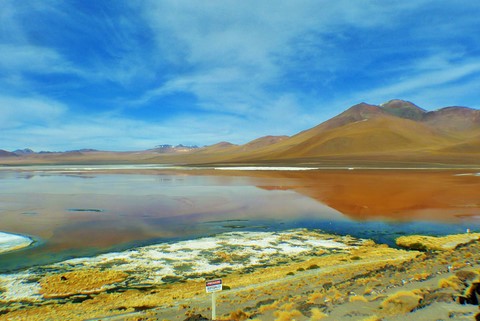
<point x="218" y="153"/>
<point x="262" y="142"/>
<point x="454" y="119"/>
<point x="394" y="133"/>
<point x="470" y="146"/>
<point x="397" y="131"/>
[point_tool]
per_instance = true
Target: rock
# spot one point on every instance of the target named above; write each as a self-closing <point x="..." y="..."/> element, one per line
<point x="305" y="308"/>
<point x="466" y="275"/>
<point x="472" y="294"/>
<point x="171" y="279"/>
<point x="439" y="295"/>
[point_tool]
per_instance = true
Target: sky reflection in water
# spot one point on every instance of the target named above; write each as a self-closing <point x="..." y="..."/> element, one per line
<point x="72" y="215"/>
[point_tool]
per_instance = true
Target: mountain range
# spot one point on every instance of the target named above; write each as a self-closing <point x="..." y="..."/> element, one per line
<point x="397" y="132"/>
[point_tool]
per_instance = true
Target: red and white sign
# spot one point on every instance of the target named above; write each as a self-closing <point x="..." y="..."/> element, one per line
<point x="213" y="286"/>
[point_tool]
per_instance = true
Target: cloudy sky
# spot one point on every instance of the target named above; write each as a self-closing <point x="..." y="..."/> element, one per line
<point x="130" y="75"/>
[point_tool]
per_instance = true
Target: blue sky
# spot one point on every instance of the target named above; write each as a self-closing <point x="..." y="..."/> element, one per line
<point x="130" y="75"/>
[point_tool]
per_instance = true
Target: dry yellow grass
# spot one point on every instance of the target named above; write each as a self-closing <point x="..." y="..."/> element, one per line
<point x="288" y="306"/>
<point x="400" y="302"/>
<point x="372" y="318"/>
<point x="422" y="276"/>
<point x="239" y="315"/>
<point x="78" y="282"/>
<point x="317" y="315"/>
<point x="105" y="304"/>
<point x="287" y="315"/>
<point x="451" y="282"/>
<point x="315" y="297"/>
<point x="449" y="242"/>
<point x="357" y="298"/>
<point x="269" y="307"/>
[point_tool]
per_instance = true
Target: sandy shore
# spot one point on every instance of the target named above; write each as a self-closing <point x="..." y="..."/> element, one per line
<point x="335" y="278"/>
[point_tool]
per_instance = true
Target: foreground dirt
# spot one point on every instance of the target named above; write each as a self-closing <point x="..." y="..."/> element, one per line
<point x="371" y="282"/>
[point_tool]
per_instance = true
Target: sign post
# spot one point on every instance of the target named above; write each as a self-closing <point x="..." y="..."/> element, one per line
<point x="212" y="287"/>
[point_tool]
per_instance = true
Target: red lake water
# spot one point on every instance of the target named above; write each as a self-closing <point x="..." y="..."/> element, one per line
<point x="74" y="213"/>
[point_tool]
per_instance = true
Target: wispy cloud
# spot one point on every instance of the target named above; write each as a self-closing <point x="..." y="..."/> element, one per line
<point x="227" y="53"/>
<point x="111" y="74"/>
<point x="107" y="132"/>
<point x="23" y="68"/>
<point x="18" y="112"/>
<point x="435" y="74"/>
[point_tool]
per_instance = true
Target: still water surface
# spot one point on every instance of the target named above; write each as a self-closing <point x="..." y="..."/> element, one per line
<point x="73" y="214"/>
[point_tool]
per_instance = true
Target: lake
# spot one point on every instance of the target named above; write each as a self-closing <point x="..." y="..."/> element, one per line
<point x="84" y="211"/>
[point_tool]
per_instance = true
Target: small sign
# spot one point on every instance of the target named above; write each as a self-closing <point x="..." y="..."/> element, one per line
<point x="213" y="286"/>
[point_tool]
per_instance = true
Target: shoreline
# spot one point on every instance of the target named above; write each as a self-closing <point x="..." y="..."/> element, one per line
<point x="139" y="168"/>
<point x="191" y="259"/>
<point x="303" y="284"/>
<point x="375" y="231"/>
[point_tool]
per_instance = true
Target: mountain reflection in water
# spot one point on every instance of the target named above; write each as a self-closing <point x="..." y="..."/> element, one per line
<point x="72" y="215"/>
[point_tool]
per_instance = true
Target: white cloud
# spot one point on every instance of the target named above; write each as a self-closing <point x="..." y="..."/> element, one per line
<point x="26" y="58"/>
<point x="461" y="93"/>
<point x="237" y="55"/>
<point x="46" y="38"/>
<point x="18" y="112"/>
<point x="429" y="76"/>
<point x="241" y="62"/>
<point x="19" y="51"/>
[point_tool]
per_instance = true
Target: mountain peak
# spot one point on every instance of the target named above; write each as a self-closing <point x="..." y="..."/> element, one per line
<point x="360" y="112"/>
<point x="222" y="144"/>
<point x="457" y="110"/>
<point x="403" y="109"/>
<point x="363" y="106"/>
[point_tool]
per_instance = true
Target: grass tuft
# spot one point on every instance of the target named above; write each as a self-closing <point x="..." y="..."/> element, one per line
<point x="317" y="314"/>
<point x="400" y="303"/>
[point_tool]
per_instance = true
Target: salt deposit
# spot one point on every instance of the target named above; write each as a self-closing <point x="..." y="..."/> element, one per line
<point x="19" y="288"/>
<point x="266" y="168"/>
<point x="187" y="259"/>
<point x="82" y="168"/>
<point x="10" y="242"/>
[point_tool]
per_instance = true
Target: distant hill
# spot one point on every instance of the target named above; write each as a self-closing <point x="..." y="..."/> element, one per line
<point x="83" y="150"/>
<point x="395" y="132"/>
<point x="173" y="149"/>
<point x="26" y="151"/>
<point x="4" y="153"/>
<point x="263" y="142"/>
<point x="456" y="120"/>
